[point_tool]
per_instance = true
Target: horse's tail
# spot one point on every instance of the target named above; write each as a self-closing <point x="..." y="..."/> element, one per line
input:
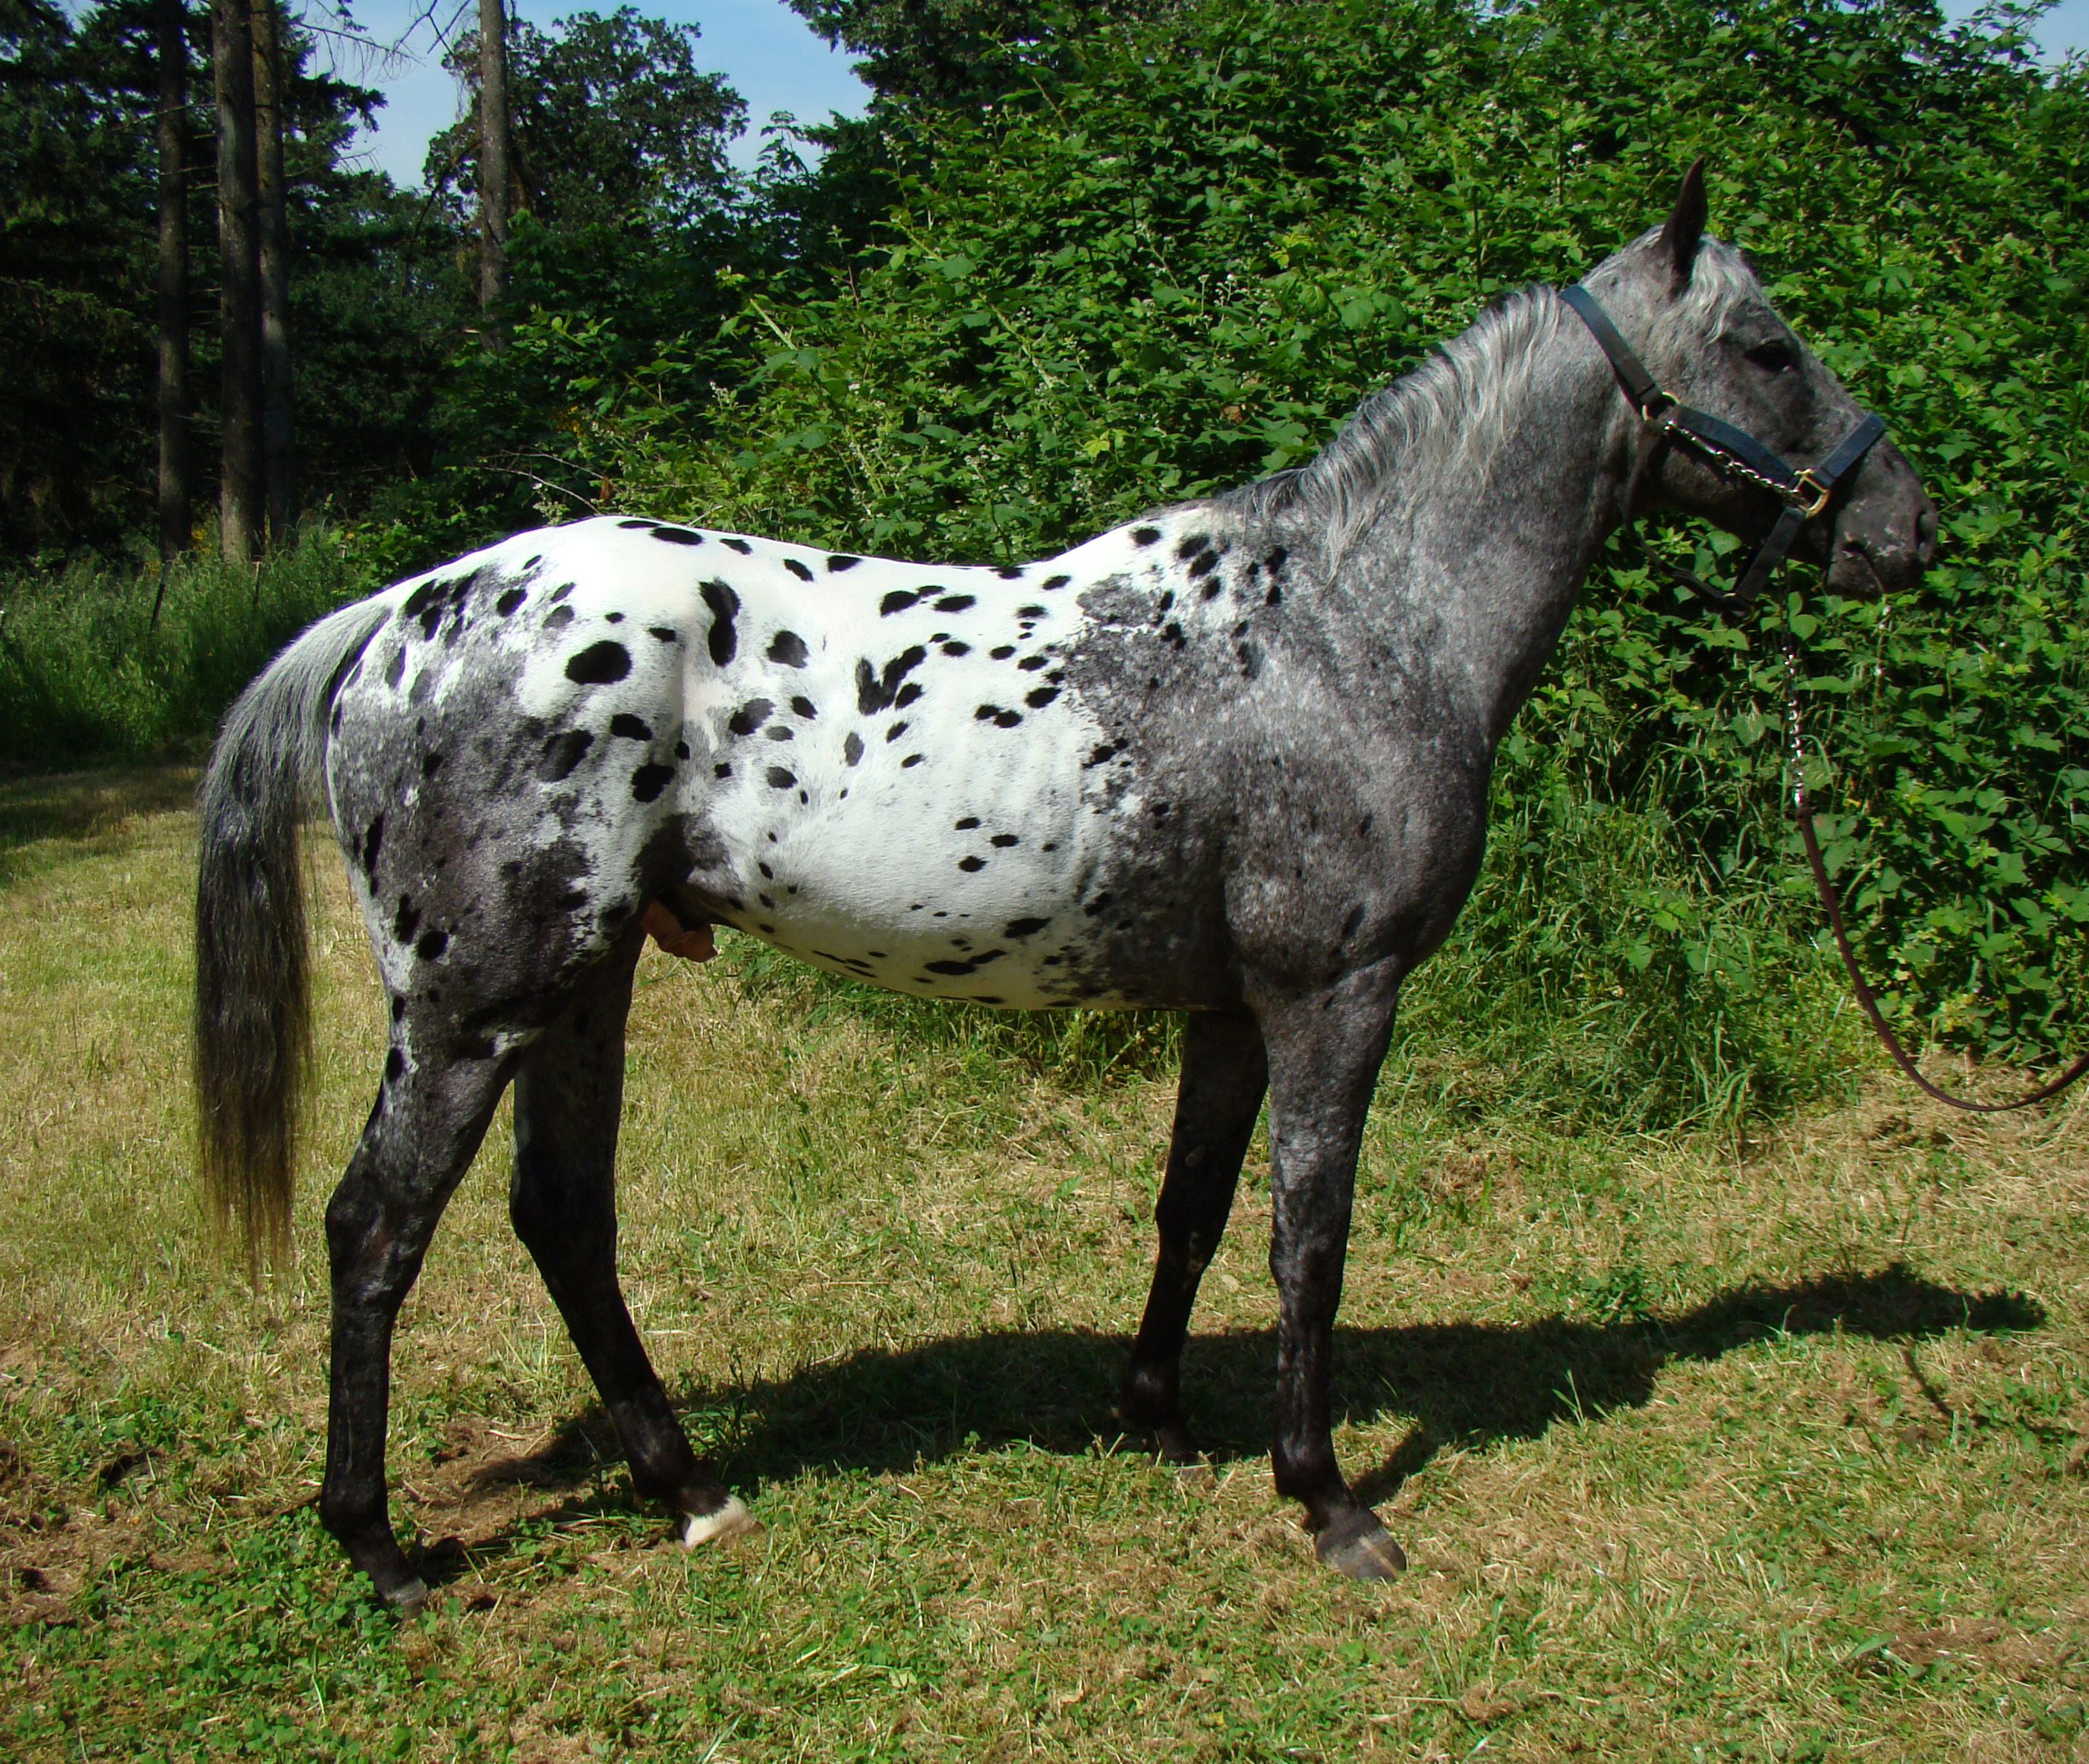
<point x="252" y="1030"/>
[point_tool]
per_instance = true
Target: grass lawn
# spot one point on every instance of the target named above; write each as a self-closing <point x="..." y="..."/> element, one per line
<point x="1766" y="1446"/>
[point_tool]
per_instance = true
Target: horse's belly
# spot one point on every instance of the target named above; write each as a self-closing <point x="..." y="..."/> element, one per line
<point x="964" y="877"/>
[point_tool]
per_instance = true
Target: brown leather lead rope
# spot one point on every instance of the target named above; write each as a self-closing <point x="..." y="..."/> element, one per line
<point x="1802" y="813"/>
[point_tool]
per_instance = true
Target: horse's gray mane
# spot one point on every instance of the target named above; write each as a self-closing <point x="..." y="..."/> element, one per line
<point x="1454" y="408"/>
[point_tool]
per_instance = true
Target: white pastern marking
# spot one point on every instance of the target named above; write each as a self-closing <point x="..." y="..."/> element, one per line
<point x="730" y="1521"/>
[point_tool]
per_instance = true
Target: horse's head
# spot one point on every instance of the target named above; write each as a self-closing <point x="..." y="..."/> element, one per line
<point x="1694" y="312"/>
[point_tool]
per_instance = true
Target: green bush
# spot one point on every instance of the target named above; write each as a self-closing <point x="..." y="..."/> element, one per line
<point x="1183" y="263"/>
<point x="87" y="673"/>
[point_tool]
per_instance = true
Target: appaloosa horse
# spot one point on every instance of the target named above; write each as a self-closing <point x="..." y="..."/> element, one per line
<point x="1229" y="759"/>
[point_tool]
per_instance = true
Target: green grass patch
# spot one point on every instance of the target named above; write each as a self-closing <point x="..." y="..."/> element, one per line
<point x="1744" y="1441"/>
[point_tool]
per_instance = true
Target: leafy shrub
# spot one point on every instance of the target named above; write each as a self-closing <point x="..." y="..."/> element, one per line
<point x="1184" y="262"/>
<point x="87" y="673"/>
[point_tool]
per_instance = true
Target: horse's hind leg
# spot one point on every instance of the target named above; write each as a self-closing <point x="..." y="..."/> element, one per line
<point x="568" y="1096"/>
<point x="419" y="1140"/>
<point x="1224" y="1072"/>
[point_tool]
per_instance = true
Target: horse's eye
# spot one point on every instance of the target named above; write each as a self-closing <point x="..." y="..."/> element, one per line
<point x="1775" y="356"/>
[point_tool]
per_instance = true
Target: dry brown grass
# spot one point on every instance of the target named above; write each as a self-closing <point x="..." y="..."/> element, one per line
<point x="1765" y="1448"/>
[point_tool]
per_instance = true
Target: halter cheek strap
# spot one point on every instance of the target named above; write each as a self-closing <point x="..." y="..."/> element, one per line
<point x="1804" y="491"/>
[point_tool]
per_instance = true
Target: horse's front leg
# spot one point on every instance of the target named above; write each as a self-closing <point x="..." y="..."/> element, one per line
<point x="1325" y="1047"/>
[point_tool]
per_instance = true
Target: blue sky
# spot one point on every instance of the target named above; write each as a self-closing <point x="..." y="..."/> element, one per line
<point x="763" y="49"/>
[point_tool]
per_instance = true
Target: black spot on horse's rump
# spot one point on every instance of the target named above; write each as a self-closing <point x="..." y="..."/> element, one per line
<point x="634" y="525"/>
<point x="723" y="603"/>
<point x="779" y="779"/>
<point x="750" y="716"/>
<point x="1196" y="542"/>
<point x="1102" y="755"/>
<point x="986" y="713"/>
<point x="1167" y="601"/>
<point x="1041" y="697"/>
<point x="788" y="649"/>
<point x="1350" y="925"/>
<point x="1005" y="839"/>
<point x="1010" y="572"/>
<point x="630" y="728"/>
<point x="779" y="732"/>
<point x="1030" y="612"/>
<point x="1203" y="565"/>
<point x="560" y="592"/>
<point x="419" y="601"/>
<point x="971" y="863"/>
<point x="761" y="863"/>
<point x="666" y="634"/>
<point x="432" y="944"/>
<point x="559" y="619"/>
<point x="805" y="708"/>
<point x="898" y="601"/>
<point x="1173" y="633"/>
<point x="955" y="603"/>
<point x="949" y="967"/>
<point x="1144" y="535"/>
<point x="911" y="759"/>
<point x="677" y="536"/>
<point x="1251" y="661"/>
<point x="1274" y="597"/>
<point x="599" y="664"/>
<point x="431" y="764"/>
<point x="1364" y="826"/>
<point x="1024" y="927"/>
<point x="895" y="732"/>
<point x="1008" y="719"/>
<point x="1057" y="581"/>
<point x="1031" y="663"/>
<point x="968" y="824"/>
<point x="767" y="901"/>
<point x="650" y="780"/>
<point x="509" y="602"/>
<point x="875" y="692"/>
<point x="398" y="1007"/>
<point x="798" y="568"/>
<point x="1213" y="589"/>
<point x="954" y="647"/>
<point x="395" y="1066"/>
<point x="1101" y="904"/>
<point x="572" y="900"/>
<point x="906" y="694"/>
<point x="1275" y="561"/>
<point x="373" y="842"/>
<point x="562" y="753"/>
<point x="1001" y="651"/>
<point x="841" y="560"/>
<point x="741" y="546"/>
<point x="396" y="667"/>
<point x="852" y="748"/>
<point x="612" y="618"/>
<point x="722" y="770"/>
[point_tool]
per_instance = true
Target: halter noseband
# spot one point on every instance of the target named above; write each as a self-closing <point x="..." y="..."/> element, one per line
<point x="1804" y="490"/>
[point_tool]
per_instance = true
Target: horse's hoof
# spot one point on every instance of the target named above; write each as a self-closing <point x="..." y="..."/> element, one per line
<point x="731" y="1520"/>
<point x="407" y="1597"/>
<point x="1359" y="1546"/>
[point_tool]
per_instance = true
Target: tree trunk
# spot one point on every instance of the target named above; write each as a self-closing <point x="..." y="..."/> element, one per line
<point x="170" y="21"/>
<point x="493" y="153"/>
<point x="278" y="461"/>
<point x="239" y="399"/>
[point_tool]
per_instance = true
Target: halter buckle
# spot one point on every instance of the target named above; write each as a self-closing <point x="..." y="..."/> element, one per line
<point x="1809" y="494"/>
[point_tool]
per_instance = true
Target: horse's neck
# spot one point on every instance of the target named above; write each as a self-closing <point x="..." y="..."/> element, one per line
<point x="1480" y="551"/>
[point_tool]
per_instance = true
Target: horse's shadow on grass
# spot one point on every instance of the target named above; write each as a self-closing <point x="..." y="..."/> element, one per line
<point x="1468" y="1384"/>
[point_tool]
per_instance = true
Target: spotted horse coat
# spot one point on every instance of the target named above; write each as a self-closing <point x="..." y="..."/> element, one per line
<point x="1232" y="759"/>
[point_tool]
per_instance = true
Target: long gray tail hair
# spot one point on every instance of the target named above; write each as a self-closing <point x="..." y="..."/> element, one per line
<point x="253" y="1028"/>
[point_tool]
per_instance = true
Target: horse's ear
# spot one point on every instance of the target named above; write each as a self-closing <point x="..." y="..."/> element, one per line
<point x="1685" y="228"/>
